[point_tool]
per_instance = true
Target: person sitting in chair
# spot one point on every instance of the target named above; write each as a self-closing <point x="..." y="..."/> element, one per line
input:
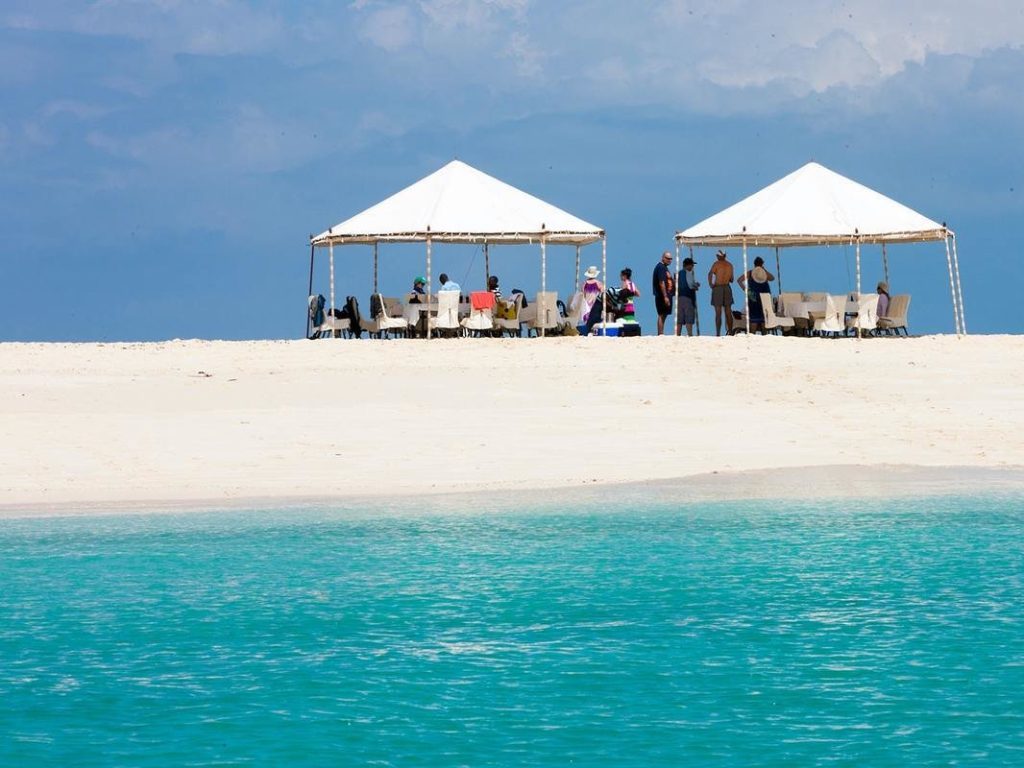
<point x="447" y="285"/>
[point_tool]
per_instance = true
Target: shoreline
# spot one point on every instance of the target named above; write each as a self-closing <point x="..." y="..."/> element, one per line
<point x="830" y="482"/>
<point x="213" y="423"/>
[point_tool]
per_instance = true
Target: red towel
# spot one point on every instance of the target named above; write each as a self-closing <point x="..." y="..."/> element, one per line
<point x="482" y="299"/>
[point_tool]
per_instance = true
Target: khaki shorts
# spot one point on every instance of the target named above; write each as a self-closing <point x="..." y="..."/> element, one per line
<point x="721" y="295"/>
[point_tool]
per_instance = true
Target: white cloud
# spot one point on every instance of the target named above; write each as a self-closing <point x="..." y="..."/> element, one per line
<point x="392" y="28"/>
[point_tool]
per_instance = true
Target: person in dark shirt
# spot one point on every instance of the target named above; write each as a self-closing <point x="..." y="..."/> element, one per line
<point x="687" y="297"/>
<point x="662" y="288"/>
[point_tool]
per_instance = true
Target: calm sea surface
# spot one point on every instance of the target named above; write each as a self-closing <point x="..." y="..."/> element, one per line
<point x="733" y="634"/>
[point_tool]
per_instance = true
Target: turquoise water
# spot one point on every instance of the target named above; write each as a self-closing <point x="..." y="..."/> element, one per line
<point x="714" y="634"/>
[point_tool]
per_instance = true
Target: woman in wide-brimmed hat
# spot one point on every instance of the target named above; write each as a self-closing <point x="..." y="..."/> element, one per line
<point x="590" y="289"/>
<point x="755" y="282"/>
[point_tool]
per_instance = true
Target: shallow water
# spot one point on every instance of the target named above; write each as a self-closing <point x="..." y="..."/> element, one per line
<point x="740" y="633"/>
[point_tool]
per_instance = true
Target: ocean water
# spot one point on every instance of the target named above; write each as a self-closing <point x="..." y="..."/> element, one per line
<point x="725" y="634"/>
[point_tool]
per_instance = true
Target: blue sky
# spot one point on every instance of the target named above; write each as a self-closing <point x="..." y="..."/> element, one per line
<point x="164" y="162"/>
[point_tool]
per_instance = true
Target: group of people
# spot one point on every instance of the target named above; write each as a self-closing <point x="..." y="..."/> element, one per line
<point x="720" y="278"/>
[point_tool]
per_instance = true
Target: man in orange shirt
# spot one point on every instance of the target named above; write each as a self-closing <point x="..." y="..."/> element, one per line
<point x="720" y="278"/>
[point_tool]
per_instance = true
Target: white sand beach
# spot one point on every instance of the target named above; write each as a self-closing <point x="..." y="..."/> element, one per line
<point x="190" y="423"/>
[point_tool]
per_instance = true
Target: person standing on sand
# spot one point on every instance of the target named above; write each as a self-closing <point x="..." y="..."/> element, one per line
<point x="662" y="288"/>
<point x="719" y="278"/>
<point x="687" y="298"/>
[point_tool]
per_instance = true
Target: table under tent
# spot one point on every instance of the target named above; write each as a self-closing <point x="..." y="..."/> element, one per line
<point x="459" y="204"/>
<point x="817" y="206"/>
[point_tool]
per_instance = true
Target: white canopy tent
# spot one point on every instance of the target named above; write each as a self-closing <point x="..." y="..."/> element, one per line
<point x="816" y="206"/>
<point x="459" y="204"/>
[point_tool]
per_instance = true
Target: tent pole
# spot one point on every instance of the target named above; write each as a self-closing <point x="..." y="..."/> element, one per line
<point x="676" y="297"/>
<point x="959" y="290"/>
<point x="576" y="285"/>
<point x="487" y="267"/>
<point x="375" y="290"/>
<point x="696" y="309"/>
<point x="952" y="288"/>
<point x="604" y="274"/>
<point x="885" y="264"/>
<point x="309" y="320"/>
<point x="330" y="250"/>
<point x="543" y="280"/>
<point x="746" y="286"/>
<point x="429" y="285"/>
<point x="843" y="314"/>
<point x="778" y="268"/>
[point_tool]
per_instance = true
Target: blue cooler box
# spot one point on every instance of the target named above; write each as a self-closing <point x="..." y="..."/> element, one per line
<point x="612" y="329"/>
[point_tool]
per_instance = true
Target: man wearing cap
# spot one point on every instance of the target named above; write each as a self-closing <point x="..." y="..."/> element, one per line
<point x="662" y="289"/>
<point x="419" y="288"/>
<point x="719" y="278"/>
<point x="687" y="296"/>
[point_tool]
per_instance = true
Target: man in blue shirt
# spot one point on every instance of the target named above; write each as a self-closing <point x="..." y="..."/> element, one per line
<point x="446" y="284"/>
<point x="687" y="296"/>
<point x="662" y="290"/>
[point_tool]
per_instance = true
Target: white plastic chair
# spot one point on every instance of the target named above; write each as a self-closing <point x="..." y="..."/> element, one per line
<point x="547" y="317"/>
<point x="447" y="319"/>
<point x="773" y="322"/>
<point x="512" y="325"/>
<point x="480" y="321"/>
<point x="896" y="316"/>
<point x="834" y="319"/>
<point x="866" y="318"/>
<point x="384" y="324"/>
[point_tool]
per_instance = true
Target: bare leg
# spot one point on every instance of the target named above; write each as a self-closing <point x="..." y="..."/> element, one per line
<point x="718" y="321"/>
<point x="728" y="318"/>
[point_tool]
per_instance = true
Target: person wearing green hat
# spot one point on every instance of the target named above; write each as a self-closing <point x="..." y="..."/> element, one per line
<point x="419" y="288"/>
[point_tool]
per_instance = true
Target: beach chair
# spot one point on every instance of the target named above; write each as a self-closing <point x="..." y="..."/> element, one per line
<point x="833" y="319"/>
<point x="481" y="314"/>
<point x="816" y="296"/>
<point x="788" y="299"/>
<point x="382" y="323"/>
<point x="446" y="322"/>
<point x="866" y="319"/>
<point x="896" y="316"/>
<point x="546" y="317"/>
<point x="773" y="322"/>
<point x="507" y="319"/>
<point x="577" y="314"/>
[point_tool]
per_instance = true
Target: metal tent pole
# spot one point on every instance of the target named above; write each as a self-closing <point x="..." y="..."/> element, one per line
<point x="576" y="285"/>
<point x="696" y="305"/>
<point x="309" y="320"/>
<point x="430" y="284"/>
<point x="746" y="285"/>
<point x="778" y="268"/>
<point x="487" y="266"/>
<point x="375" y="290"/>
<point x="330" y="250"/>
<point x="543" y="279"/>
<point x="959" y="290"/>
<point x="952" y="289"/>
<point x="676" y="297"/>
<point x="604" y="274"/>
<point x="842" y="315"/>
<point x="885" y="264"/>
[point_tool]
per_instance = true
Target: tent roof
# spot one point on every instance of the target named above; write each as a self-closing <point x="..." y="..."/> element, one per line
<point x="813" y="206"/>
<point x="459" y="204"/>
